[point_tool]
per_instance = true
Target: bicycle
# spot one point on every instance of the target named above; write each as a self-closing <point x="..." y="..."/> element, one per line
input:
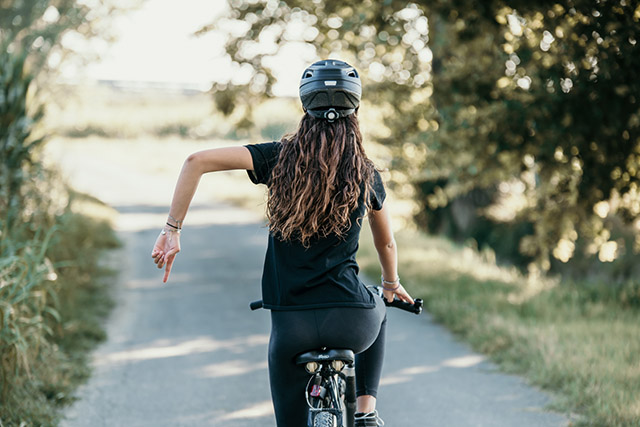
<point x="331" y="390"/>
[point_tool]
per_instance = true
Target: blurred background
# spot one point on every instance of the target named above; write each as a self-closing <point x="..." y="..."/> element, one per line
<point x="509" y="133"/>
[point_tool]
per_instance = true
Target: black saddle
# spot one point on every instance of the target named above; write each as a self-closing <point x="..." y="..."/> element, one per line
<point x="344" y="355"/>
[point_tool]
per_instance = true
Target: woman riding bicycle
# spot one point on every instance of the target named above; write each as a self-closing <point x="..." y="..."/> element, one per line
<point x="320" y="187"/>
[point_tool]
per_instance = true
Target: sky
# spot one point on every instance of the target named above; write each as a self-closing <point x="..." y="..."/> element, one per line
<point x="156" y="44"/>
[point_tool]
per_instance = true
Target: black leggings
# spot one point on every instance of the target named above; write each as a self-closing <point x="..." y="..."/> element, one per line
<point x="293" y="332"/>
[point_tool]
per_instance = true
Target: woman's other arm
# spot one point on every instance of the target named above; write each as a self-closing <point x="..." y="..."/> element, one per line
<point x="197" y="164"/>
<point x="385" y="245"/>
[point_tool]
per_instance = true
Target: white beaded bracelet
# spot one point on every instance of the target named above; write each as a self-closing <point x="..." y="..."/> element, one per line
<point x="386" y="282"/>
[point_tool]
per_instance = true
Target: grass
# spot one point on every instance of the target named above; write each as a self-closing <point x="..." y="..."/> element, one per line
<point x="103" y="111"/>
<point x="56" y="361"/>
<point x="585" y="351"/>
<point x="81" y="111"/>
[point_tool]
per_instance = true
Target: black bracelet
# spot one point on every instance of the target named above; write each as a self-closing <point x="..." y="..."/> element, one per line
<point x="177" y="222"/>
<point x="391" y="289"/>
<point x="173" y="226"/>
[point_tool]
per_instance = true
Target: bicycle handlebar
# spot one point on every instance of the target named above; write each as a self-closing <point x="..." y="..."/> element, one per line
<point x="415" y="308"/>
<point x="255" y="305"/>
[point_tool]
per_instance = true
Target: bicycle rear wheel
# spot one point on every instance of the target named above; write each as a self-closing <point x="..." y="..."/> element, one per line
<point x="324" y="419"/>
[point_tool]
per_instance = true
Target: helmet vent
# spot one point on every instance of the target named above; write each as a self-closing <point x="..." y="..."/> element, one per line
<point x="352" y="74"/>
<point x="308" y="74"/>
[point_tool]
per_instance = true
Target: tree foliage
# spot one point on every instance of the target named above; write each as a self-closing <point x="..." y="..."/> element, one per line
<point x="36" y="27"/>
<point x="30" y="31"/>
<point x="533" y="103"/>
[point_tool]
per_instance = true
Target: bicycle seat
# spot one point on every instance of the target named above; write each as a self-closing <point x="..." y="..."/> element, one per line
<point x="343" y="354"/>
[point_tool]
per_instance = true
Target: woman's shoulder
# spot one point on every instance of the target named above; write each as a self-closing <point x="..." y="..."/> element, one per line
<point x="264" y="156"/>
<point x="267" y="149"/>
<point x="375" y="178"/>
<point x="378" y="193"/>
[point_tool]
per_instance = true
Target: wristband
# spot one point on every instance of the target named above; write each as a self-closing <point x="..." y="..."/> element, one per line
<point x="387" y="282"/>
<point x="179" y="223"/>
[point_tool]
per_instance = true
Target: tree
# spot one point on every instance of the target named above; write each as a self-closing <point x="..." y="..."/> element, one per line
<point x="532" y="102"/>
<point x="30" y="31"/>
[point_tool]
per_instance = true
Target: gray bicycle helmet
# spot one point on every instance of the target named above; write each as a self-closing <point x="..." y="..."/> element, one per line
<point x="330" y="89"/>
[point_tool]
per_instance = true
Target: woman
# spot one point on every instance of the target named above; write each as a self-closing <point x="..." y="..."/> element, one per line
<point x="321" y="185"/>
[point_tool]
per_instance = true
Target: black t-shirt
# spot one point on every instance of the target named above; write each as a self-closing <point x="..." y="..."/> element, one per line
<point x="325" y="274"/>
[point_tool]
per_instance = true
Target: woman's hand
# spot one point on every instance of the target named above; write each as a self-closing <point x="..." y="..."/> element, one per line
<point x="400" y="292"/>
<point x="165" y="250"/>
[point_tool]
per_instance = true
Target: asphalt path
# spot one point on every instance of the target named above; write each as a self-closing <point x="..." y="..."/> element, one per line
<point x="191" y="353"/>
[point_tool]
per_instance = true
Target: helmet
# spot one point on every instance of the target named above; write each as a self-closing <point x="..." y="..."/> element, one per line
<point x="330" y="89"/>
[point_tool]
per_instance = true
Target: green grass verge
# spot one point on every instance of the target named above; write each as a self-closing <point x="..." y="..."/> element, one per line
<point x="560" y="336"/>
<point x="45" y="381"/>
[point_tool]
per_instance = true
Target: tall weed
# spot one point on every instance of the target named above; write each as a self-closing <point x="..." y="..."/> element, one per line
<point x="53" y="298"/>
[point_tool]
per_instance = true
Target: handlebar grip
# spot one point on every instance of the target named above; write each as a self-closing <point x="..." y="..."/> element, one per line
<point x="256" y="305"/>
<point x="416" y="307"/>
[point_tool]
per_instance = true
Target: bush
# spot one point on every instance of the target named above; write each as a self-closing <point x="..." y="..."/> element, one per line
<point x="53" y="297"/>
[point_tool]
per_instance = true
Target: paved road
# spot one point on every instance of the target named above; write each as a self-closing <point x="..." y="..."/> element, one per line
<point x="191" y="353"/>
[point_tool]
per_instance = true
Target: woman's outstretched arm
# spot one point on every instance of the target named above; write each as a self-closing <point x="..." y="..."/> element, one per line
<point x="197" y="164"/>
<point x="385" y="245"/>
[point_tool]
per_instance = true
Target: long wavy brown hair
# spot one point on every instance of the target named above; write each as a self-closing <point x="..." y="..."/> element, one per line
<point x="322" y="170"/>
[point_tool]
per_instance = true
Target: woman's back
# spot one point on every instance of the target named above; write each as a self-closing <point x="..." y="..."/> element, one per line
<point x="322" y="270"/>
<point x="318" y="176"/>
